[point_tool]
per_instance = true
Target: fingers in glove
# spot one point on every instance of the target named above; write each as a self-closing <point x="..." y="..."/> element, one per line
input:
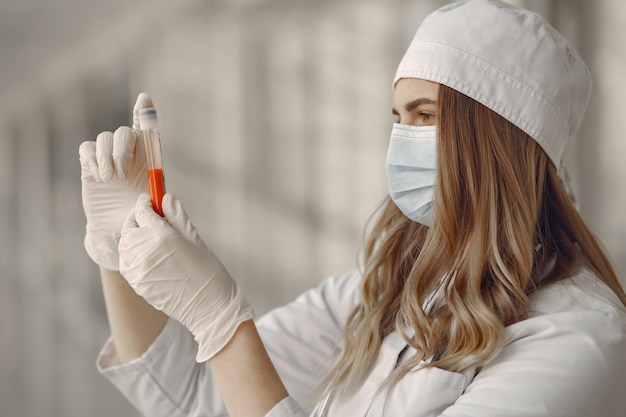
<point x="143" y="232"/>
<point x="124" y="140"/>
<point x="144" y="212"/>
<point x="104" y="153"/>
<point x="133" y="239"/>
<point x="142" y="215"/>
<point x="178" y="219"/>
<point x="88" y="164"/>
<point x="143" y="102"/>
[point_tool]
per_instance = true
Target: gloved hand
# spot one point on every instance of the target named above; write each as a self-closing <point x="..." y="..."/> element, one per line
<point x="165" y="261"/>
<point x="113" y="174"/>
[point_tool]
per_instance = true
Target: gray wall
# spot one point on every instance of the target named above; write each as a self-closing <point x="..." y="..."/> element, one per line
<point x="275" y="116"/>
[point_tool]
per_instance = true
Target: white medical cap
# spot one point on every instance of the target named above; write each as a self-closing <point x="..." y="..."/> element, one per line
<point x="508" y="59"/>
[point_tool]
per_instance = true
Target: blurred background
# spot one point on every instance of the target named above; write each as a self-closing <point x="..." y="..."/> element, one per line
<point x="275" y="117"/>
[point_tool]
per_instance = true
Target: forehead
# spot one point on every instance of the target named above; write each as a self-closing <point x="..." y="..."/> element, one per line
<point x="409" y="89"/>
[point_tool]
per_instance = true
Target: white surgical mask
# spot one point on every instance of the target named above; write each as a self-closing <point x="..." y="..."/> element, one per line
<point x="411" y="170"/>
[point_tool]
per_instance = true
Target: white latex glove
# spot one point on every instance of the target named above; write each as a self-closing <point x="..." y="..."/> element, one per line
<point x="113" y="174"/>
<point x="165" y="261"/>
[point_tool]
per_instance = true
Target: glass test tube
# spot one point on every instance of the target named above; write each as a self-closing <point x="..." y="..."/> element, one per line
<point x="154" y="161"/>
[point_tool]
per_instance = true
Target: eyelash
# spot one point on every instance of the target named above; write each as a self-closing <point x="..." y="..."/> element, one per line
<point x="425" y="117"/>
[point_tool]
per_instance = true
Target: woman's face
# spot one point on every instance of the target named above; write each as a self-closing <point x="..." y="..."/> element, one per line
<point x="415" y="102"/>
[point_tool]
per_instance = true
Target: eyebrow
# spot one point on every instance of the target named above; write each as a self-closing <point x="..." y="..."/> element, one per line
<point x="410" y="106"/>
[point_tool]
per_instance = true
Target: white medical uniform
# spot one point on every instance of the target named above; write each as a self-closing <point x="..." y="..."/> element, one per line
<point x="568" y="359"/>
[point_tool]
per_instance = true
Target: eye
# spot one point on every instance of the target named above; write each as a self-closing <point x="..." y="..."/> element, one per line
<point x="396" y="117"/>
<point x="426" y="118"/>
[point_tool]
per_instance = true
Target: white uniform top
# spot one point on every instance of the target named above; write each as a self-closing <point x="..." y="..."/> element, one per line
<point x="568" y="359"/>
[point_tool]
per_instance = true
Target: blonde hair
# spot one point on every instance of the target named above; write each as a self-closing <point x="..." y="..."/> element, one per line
<point x="503" y="227"/>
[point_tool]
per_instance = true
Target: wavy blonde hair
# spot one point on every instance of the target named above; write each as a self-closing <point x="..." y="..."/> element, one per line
<point x="501" y="220"/>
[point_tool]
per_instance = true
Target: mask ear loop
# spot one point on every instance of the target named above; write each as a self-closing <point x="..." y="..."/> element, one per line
<point x="567" y="185"/>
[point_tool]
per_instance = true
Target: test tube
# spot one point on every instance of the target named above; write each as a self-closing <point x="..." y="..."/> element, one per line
<point x="154" y="161"/>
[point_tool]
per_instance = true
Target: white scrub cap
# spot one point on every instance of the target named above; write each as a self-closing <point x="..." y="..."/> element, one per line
<point x="508" y="59"/>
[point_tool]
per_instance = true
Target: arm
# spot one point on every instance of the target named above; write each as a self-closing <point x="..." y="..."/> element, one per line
<point x="113" y="174"/>
<point x="150" y="357"/>
<point x="301" y="338"/>
<point x="245" y="375"/>
<point x="134" y="323"/>
<point x="165" y="261"/>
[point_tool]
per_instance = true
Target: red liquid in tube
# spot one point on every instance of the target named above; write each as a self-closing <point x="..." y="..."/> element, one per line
<point x="157" y="189"/>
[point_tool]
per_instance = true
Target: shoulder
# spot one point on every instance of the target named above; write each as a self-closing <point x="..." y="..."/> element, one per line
<point x="576" y="336"/>
<point x="568" y="357"/>
<point x="582" y="291"/>
<point x="340" y="294"/>
<point x="583" y="302"/>
<point x="582" y="305"/>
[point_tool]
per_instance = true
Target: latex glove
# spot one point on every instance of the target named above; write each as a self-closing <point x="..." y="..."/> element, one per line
<point x="165" y="261"/>
<point x="113" y="174"/>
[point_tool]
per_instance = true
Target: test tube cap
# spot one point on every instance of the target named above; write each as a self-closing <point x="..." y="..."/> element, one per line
<point x="147" y="118"/>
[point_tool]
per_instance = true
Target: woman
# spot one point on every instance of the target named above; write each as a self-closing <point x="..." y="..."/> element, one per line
<point x="482" y="293"/>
